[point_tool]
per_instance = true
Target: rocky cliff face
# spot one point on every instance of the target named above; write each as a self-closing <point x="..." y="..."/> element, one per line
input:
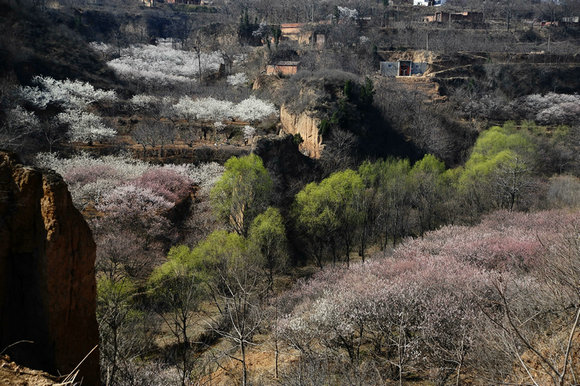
<point x="307" y="126"/>
<point x="47" y="281"/>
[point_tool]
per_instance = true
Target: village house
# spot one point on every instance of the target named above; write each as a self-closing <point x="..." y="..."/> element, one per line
<point x="284" y="68"/>
<point x="571" y="20"/>
<point x="402" y="68"/>
<point x="297" y="32"/>
<point x="447" y="17"/>
<point x="429" y="3"/>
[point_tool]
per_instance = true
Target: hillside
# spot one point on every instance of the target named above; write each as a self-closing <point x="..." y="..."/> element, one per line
<point x="46" y="42"/>
<point x="330" y="192"/>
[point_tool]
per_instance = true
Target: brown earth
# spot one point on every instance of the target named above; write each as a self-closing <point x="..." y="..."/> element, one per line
<point x="551" y="347"/>
<point x="261" y="366"/>
<point x="14" y="374"/>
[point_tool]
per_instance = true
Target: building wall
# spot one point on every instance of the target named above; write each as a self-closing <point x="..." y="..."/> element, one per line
<point x="571" y="19"/>
<point x="396" y="69"/>
<point x="287" y="70"/>
<point x="389" y="68"/>
<point x="272" y="69"/>
<point x="418" y="68"/>
<point x="428" y="2"/>
<point x="445" y="17"/>
<point x="291" y="31"/>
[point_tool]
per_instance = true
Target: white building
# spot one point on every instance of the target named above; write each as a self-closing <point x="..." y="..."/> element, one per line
<point x="429" y="2"/>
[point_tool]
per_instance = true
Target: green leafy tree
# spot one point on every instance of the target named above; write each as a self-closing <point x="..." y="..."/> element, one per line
<point x="234" y="282"/>
<point x="276" y="34"/>
<point x="315" y="222"/>
<point x="498" y="172"/>
<point x="213" y="261"/>
<point x="367" y="93"/>
<point x="122" y="329"/>
<point x="348" y="89"/>
<point x="327" y="213"/>
<point x="427" y="188"/>
<point x="367" y="204"/>
<point x="221" y="269"/>
<point x="267" y="237"/>
<point x="242" y="193"/>
<point x="113" y="308"/>
<point x="390" y="178"/>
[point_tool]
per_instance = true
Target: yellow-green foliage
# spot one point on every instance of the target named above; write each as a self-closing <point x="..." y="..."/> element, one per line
<point x="242" y="192"/>
<point x="321" y="208"/>
<point x="267" y="238"/>
<point x="219" y="252"/>
<point x="428" y="164"/>
<point x="109" y="289"/>
<point x="114" y="300"/>
<point x="178" y="263"/>
<point x="495" y="147"/>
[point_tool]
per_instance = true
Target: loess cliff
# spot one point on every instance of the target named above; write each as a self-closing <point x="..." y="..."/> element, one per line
<point x="307" y="126"/>
<point x="47" y="281"/>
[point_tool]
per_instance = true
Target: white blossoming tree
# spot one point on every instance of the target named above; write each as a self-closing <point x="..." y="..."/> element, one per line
<point x="163" y="65"/>
<point x="85" y="126"/>
<point x="73" y="97"/>
<point x="237" y="79"/>
<point x="250" y="109"/>
<point x="19" y="124"/>
<point x="66" y="93"/>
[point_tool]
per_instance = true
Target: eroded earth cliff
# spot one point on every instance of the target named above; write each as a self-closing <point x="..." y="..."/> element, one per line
<point x="47" y="281"/>
<point x="306" y="125"/>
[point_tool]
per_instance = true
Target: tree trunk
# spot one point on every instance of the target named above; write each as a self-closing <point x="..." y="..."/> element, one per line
<point x="244" y="369"/>
<point x="199" y="64"/>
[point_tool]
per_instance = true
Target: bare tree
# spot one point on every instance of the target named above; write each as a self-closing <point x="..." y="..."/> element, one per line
<point x="513" y="181"/>
<point x="154" y="133"/>
<point x="239" y="297"/>
<point x="528" y="307"/>
<point x="178" y="294"/>
<point x="199" y="42"/>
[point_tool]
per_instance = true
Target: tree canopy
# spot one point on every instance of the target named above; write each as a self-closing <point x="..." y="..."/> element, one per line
<point x="242" y="193"/>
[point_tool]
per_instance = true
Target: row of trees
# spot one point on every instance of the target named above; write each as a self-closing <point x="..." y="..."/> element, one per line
<point x="387" y="200"/>
<point x="51" y="112"/>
